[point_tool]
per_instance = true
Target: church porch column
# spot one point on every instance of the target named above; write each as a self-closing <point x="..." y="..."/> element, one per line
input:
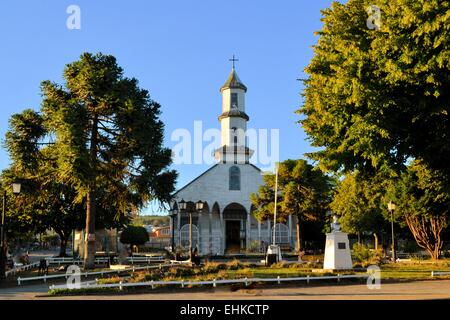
<point x="247" y="232"/>
<point x="178" y="228"/>
<point x="222" y="230"/>
<point x="210" y="232"/>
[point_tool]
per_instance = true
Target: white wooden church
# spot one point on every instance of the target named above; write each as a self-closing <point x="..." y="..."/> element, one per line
<point x="226" y="225"/>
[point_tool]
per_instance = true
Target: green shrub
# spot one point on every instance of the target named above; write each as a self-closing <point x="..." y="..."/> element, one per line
<point x="181" y="272"/>
<point x="280" y="264"/>
<point x="82" y="291"/>
<point x="213" y="267"/>
<point x="235" y="265"/>
<point x="363" y="255"/>
<point x="134" y="235"/>
<point x="254" y="246"/>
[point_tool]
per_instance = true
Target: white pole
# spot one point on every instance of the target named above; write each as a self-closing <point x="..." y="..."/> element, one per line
<point x="275" y="208"/>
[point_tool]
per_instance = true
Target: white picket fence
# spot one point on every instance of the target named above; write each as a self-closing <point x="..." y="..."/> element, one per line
<point x="439" y="273"/>
<point x="214" y="282"/>
<point x="68" y="260"/>
<point x="132" y="260"/>
<point x="21" y="268"/>
<point x="88" y="274"/>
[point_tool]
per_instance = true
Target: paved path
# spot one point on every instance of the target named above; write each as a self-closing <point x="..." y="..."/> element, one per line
<point x="436" y="289"/>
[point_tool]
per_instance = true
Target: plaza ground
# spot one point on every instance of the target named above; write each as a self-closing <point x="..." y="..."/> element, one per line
<point x="433" y="289"/>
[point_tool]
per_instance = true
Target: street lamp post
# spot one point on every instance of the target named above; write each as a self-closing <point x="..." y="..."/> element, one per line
<point x="172" y="240"/>
<point x="16" y="186"/>
<point x="183" y="206"/>
<point x="391" y="208"/>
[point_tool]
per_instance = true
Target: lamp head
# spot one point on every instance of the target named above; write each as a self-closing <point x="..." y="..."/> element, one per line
<point x="391" y="206"/>
<point x="182" y="205"/>
<point x="199" y="205"/>
<point x="16" y="186"/>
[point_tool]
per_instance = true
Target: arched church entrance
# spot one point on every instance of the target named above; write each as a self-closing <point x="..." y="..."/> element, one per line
<point x="235" y="219"/>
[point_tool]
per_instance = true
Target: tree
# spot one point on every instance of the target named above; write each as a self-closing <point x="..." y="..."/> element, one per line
<point x="107" y="139"/>
<point x="422" y="196"/>
<point x="304" y="192"/>
<point x="358" y="201"/>
<point x="45" y="203"/>
<point x="375" y="98"/>
<point x="134" y="236"/>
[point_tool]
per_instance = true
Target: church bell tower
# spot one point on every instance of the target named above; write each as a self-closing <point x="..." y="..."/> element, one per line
<point x="233" y="121"/>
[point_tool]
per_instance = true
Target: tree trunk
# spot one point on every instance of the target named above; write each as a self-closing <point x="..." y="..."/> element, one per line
<point x="299" y="240"/>
<point x="89" y="252"/>
<point x="376" y="241"/>
<point x="62" y="245"/>
<point x="427" y="233"/>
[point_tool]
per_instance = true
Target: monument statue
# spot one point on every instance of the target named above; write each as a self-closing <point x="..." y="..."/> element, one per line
<point x="337" y="248"/>
<point x="335" y="225"/>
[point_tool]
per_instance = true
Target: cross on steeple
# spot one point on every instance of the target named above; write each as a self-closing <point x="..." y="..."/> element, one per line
<point x="233" y="60"/>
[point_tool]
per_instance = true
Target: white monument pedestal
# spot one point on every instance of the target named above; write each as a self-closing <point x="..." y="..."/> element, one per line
<point x="337" y="252"/>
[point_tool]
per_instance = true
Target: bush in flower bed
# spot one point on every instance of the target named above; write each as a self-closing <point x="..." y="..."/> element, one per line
<point x="82" y="291"/>
<point x="235" y="265"/>
<point x="213" y="267"/>
<point x="110" y="280"/>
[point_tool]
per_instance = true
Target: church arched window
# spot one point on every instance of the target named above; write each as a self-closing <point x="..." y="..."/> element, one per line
<point x="235" y="178"/>
<point x="281" y="233"/>
<point x="184" y="233"/>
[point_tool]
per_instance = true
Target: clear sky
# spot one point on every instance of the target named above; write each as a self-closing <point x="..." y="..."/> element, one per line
<point x="178" y="50"/>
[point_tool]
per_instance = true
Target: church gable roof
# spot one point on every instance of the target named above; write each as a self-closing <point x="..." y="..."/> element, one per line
<point x="201" y="175"/>
<point x="250" y="165"/>
<point x="233" y="82"/>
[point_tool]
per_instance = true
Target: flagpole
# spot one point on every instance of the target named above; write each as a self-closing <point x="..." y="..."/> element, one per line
<point x="275" y="207"/>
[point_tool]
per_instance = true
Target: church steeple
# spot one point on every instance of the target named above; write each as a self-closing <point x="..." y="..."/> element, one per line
<point x="233" y="82"/>
<point x="233" y="120"/>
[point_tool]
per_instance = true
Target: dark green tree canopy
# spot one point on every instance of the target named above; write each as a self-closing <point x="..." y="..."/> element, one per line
<point x="358" y="201"/>
<point x="106" y="140"/>
<point x="422" y="196"/>
<point x="304" y="191"/>
<point x="375" y="98"/>
<point x="130" y="163"/>
<point x="134" y="235"/>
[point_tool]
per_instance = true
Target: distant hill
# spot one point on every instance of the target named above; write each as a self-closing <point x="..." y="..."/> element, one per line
<point x="156" y="221"/>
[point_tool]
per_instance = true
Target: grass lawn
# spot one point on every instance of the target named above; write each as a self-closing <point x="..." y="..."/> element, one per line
<point x="415" y="270"/>
<point x="401" y="271"/>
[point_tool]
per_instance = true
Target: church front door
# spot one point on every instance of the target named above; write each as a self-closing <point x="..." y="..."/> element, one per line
<point x="232" y="236"/>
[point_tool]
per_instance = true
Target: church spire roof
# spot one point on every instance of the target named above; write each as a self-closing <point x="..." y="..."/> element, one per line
<point x="233" y="81"/>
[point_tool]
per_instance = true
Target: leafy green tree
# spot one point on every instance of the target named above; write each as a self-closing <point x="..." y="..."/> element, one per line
<point x="134" y="236"/>
<point x="304" y="192"/>
<point x="358" y="201"/>
<point x="45" y="203"/>
<point x="107" y="139"/>
<point x="422" y="196"/>
<point x="375" y="98"/>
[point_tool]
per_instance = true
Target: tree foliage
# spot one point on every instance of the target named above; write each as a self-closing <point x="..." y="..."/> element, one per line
<point x="134" y="235"/>
<point x="375" y="98"/>
<point x="304" y="192"/>
<point x="358" y="201"/>
<point x="422" y="196"/>
<point x="45" y="202"/>
<point x="107" y="139"/>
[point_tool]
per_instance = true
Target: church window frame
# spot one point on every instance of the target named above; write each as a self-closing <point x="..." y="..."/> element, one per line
<point x="234" y="178"/>
<point x="282" y="233"/>
<point x="184" y="236"/>
<point x="234" y="100"/>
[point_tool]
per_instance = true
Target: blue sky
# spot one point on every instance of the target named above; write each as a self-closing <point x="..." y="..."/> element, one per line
<point x="178" y="50"/>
